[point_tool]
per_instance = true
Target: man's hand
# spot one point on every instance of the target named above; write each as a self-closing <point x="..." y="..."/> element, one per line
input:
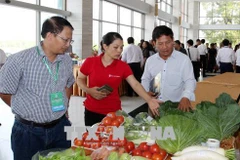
<point x="185" y="105"/>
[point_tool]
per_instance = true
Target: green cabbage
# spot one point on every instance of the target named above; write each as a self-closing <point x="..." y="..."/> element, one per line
<point x="187" y="132"/>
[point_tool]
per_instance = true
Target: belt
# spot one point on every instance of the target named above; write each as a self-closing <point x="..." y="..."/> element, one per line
<point x="34" y="124"/>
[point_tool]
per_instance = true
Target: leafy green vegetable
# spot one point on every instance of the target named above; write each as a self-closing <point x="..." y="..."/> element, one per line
<point x="68" y="154"/>
<point x="113" y="156"/>
<point x="171" y="108"/>
<point x="187" y="132"/>
<point x="218" y="122"/>
<point x="125" y="156"/>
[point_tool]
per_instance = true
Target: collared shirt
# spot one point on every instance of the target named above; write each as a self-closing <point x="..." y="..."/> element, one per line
<point x="237" y="55"/>
<point x="177" y="79"/>
<point x="225" y="55"/>
<point x="132" y="54"/>
<point x="194" y="54"/>
<point x="26" y="77"/>
<point x="202" y="49"/>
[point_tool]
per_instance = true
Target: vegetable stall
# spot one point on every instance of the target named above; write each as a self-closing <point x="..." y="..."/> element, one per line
<point x="194" y="132"/>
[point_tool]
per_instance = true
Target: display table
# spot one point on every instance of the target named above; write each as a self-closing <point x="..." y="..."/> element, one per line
<point x="211" y="88"/>
<point x="77" y="91"/>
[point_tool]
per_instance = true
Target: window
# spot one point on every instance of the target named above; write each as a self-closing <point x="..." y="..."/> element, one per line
<point x="95" y="33"/>
<point x="22" y="25"/>
<point x="116" y="18"/>
<point x="17" y="33"/>
<point x="125" y="16"/>
<point x="125" y="33"/>
<point x="108" y="27"/>
<point x="137" y="19"/>
<point x="109" y="11"/>
<point x="57" y="4"/>
<point x="165" y="5"/>
<point x="95" y="9"/>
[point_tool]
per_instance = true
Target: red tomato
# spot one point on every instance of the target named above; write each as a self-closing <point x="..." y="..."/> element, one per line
<point x="120" y="119"/>
<point x="115" y="123"/>
<point x="112" y="115"/>
<point x="84" y="136"/>
<point x="129" y="147"/>
<point x="107" y="121"/>
<point x="136" y="152"/>
<point x="163" y="152"/>
<point x="87" y="144"/>
<point x="78" y="142"/>
<point x="122" y="143"/>
<point x="143" y="146"/>
<point x="154" y="148"/>
<point x="157" y="156"/>
<point x="96" y="145"/>
<point x="147" y="154"/>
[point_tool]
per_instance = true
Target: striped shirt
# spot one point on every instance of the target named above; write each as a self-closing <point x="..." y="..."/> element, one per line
<point x="26" y="77"/>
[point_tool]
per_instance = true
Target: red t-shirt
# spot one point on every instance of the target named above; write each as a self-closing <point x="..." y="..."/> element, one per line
<point x="99" y="75"/>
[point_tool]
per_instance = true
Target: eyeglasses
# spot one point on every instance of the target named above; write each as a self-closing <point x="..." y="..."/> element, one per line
<point x="66" y="40"/>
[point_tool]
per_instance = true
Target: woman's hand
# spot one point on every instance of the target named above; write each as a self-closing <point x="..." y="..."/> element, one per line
<point x="97" y="94"/>
<point x="154" y="105"/>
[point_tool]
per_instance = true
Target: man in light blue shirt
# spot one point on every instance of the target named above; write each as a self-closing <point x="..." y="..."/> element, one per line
<point x="177" y="78"/>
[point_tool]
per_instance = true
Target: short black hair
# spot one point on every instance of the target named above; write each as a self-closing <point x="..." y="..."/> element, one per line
<point x="55" y="25"/>
<point x="225" y="42"/>
<point x="130" y="40"/>
<point x="160" y="31"/>
<point x="190" y="42"/>
<point x="202" y="41"/>
<point x="178" y="42"/>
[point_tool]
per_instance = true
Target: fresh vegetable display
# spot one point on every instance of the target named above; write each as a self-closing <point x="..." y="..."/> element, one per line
<point x="216" y="121"/>
<point x="219" y="120"/>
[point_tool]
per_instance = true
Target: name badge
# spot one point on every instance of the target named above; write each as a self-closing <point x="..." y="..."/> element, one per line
<point x="57" y="101"/>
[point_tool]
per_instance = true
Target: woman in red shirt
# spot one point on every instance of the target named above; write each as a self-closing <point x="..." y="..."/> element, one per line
<point x="107" y="69"/>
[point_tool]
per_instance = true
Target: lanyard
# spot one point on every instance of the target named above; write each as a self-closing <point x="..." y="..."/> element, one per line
<point x="55" y="76"/>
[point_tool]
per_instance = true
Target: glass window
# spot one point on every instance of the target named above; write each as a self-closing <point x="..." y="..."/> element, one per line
<point x="96" y="9"/>
<point x="28" y="1"/>
<point x="109" y="12"/>
<point x="17" y="33"/>
<point x="57" y="4"/>
<point x="137" y="34"/>
<point x="108" y="27"/>
<point x="163" y="6"/>
<point x="125" y="33"/>
<point x="95" y="34"/>
<point x="125" y="16"/>
<point x="137" y="19"/>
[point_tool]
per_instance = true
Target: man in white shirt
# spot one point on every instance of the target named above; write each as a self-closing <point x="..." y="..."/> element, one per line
<point x="195" y="58"/>
<point x="3" y="58"/>
<point x="133" y="56"/>
<point x="177" y="82"/>
<point x="202" y="49"/>
<point x="225" y="57"/>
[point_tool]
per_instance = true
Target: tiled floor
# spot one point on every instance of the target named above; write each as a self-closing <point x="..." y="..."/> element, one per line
<point x="75" y="114"/>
